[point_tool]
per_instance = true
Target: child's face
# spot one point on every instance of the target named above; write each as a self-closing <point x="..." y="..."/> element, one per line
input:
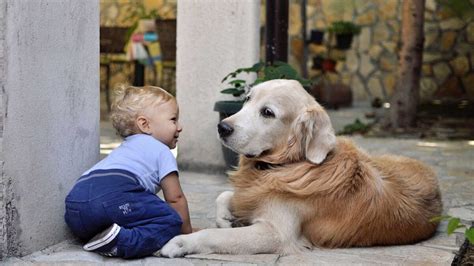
<point x="163" y="123"/>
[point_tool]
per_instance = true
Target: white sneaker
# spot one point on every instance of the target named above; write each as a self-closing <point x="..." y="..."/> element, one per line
<point x="103" y="238"/>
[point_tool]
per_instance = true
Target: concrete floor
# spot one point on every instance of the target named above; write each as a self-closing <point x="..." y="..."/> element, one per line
<point x="452" y="160"/>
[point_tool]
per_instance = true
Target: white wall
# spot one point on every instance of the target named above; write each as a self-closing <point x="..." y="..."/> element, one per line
<point x="3" y="215"/>
<point x="214" y="37"/>
<point x="50" y="114"/>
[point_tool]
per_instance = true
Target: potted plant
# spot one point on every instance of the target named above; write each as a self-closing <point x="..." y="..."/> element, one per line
<point x="238" y="87"/>
<point x="324" y="64"/>
<point x="318" y="62"/>
<point x="331" y="95"/>
<point x="316" y="36"/>
<point x="329" y="65"/>
<point x="344" y="31"/>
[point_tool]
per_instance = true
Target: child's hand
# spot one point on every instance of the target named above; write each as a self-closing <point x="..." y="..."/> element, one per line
<point x="195" y="229"/>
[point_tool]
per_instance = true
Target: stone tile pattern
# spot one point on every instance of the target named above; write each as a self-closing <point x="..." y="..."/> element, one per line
<point x="370" y="66"/>
<point x="451" y="160"/>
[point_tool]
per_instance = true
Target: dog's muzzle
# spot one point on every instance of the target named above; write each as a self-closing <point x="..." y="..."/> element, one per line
<point x="224" y="129"/>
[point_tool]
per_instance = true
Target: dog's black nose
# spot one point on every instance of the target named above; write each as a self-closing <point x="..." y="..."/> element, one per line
<point x="224" y="129"/>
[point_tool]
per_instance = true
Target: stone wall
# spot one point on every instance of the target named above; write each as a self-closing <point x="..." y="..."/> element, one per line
<point x="114" y="13"/>
<point x="370" y="65"/>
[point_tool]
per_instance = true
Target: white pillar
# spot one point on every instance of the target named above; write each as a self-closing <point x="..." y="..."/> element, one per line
<point x="49" y="58"/>
<point x="214" y="37"/>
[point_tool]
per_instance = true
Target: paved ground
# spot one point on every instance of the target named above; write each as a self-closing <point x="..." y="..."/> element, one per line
<point x="452" y="160"/>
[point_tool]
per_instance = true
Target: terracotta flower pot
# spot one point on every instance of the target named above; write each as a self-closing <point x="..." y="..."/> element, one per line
<point x="332" y="95"/>
<point x="329" y="65"/>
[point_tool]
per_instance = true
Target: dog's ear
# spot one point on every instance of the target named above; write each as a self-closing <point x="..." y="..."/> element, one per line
<point x="314" y="132"/>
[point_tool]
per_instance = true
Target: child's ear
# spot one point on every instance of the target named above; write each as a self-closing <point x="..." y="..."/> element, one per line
<point x="143" y="124"/>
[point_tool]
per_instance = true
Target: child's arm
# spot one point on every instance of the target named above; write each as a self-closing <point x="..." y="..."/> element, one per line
<point x="175" y="197"/>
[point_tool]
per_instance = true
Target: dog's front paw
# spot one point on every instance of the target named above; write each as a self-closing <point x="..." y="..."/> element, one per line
<point x="176" y="247"/>
<point x="224" y="217"/>
<point x="225" y="220"/>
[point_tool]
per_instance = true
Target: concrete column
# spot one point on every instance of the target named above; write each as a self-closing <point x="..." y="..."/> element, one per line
<point x="3" y="198"/>
<point x="214" y="37"/>
<point x="49" y="74"/>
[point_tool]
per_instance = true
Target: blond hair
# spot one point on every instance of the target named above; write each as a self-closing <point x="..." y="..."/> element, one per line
<point x="131" y="102"/>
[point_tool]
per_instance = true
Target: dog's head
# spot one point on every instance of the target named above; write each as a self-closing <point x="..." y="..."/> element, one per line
<point x="280" y="122"/>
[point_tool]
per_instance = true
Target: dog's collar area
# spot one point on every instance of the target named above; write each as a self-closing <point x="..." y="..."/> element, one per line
<point x="251" y="156"/>
<point x="259" y="165"/>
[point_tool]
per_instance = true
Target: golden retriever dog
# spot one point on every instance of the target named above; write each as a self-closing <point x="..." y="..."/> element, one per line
<point x="298" y="186"/>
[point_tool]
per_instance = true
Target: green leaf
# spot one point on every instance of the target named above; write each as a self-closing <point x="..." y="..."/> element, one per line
<point x="453" y="224"/>
<point x="470" y="235"/>
<point x="233" y="91"/>
<point x="270" y="73"/>
<point x="237" y="82"/>
<point x="226" y="77"/>
<point x="288" y="71"/>
<point x="344" y="27"/>
<point x="305" y="82"/>
<point x="256" y="67"/>
<point x="258" y="81"/>
<point x="279" y="63"/>
<point x="231" y="75"/>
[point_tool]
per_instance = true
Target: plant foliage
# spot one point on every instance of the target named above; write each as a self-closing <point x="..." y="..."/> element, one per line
<point x="455" y="223"/>
<point x="279" y="70"/>
<point x="461" y="8"/>
<point x="344" y="27"/>
<point x="356" y="127"/>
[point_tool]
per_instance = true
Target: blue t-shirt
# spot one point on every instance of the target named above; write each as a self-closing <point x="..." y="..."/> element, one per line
<point x="146" y="157"/>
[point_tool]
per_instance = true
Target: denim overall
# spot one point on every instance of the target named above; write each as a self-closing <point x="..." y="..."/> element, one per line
<point x="104" y="197"/>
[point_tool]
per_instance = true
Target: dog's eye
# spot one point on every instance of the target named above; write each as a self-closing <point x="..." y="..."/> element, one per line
<point x="267" y="112"/>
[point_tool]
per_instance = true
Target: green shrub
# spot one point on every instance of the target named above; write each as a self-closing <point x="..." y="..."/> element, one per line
<point x="344" y="27"/>
<point x="356" y="127"/>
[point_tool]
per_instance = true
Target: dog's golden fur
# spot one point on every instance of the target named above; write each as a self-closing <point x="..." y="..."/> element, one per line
<point x="348" y="199"/>
<point x="351" y="199"/>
